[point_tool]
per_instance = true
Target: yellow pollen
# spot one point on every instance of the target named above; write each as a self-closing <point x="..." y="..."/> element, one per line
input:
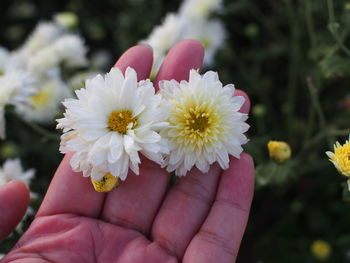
<point x="121" y="121"/>
<point x="198" y="122"/>
<point x="341" y="158"/>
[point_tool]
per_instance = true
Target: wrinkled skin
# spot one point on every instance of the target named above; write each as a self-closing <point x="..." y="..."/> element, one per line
<point x="202" y="218"/>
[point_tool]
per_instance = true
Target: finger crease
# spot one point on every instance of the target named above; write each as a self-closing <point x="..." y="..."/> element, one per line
<point x="168" y="246"/>
<point x="194" y="189"/>
<point x="125" y="223"/>
<point x="220" y="242"/>
<point x="237" y="206"/>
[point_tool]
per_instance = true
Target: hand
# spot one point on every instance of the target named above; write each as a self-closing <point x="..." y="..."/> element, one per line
<point x="202" y="218"/>
<point x="14" y="199"/>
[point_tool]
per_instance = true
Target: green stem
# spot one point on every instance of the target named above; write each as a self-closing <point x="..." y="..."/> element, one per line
<point x="293" y="67"/>
<point x="310" y="24"/>
<point x="320" y="136"/>
<point x="40" y="130"/>
<point x="330" y="11"/>
<point x="317" y="105"/>
<point x="333" y="28"/>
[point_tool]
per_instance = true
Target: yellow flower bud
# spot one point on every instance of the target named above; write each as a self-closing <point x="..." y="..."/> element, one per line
<point x="106" y="184"/>
<point x="279" y="151"/>
<point x="321" y="249"/>
<point x="66" y="19"/>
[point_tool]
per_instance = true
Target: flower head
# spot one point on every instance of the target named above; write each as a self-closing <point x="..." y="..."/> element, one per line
<point x="205" y="125"/>
<point x="44" y="104"/>
<point x="341" y="158"/>
<point x="279" y="151"/>
<point x="113" y="120"/>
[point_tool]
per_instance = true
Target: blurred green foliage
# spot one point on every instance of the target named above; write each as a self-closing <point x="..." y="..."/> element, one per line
<point x="290" y="56"/>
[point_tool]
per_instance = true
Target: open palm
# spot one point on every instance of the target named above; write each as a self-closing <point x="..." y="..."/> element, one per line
<point x="201" y="218"/>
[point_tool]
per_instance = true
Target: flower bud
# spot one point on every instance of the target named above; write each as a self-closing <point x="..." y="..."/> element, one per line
<point x="321" y="249"/>
<point x="106" y="184"/>
<point x="279" y="151"/>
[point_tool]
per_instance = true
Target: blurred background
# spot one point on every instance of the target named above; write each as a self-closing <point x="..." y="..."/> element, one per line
<point x="292" y="59"/>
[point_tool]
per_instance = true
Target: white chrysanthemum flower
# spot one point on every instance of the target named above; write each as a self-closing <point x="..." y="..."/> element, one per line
<point x="164" y="36"/>
<point x="43" y="61"/>
<point x="71" y="50"/>
<point x="43" y="35"/>
<point x="16" y="88"/>
<point x="13" y="170"/>
<point x="44" y="105"/>
<point x="113" y="119"/>
<point x="210" y="33"/>
<point x="204" y="123"/>
<point x="68" y="49"/>
<point x="199" y="9"/>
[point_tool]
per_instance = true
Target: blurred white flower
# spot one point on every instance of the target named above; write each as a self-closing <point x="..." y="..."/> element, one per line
<point x="113" y="119"/>
<point x="210" y="33"/>
<point x="164" y="36"/>
<point x="71" y="50"/>
<point x="204" y="123"/>
<point x="12" y="170"/>
<point x="68" y="49"/>
<point x="16" y="87"/>
<point x="44" y="35"/>
<point x="199" y="9"/>
<point x="46" y="50"/>
<point x="44" y="105"/>
<point x="191" y="22"/>
<point x="43" y="61"/>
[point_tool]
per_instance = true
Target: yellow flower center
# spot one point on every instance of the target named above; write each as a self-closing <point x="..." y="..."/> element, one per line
<point x="40" y="98"/>
<point x="196" y="124"/>
<point x="121" y="121"/>
<point x="197" y="121"/>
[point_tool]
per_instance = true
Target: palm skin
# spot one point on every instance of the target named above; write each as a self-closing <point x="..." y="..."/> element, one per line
<point x="200" y="219"/>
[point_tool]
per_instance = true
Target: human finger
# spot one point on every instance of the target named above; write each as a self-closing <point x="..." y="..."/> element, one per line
<point x="14" y="199"/>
